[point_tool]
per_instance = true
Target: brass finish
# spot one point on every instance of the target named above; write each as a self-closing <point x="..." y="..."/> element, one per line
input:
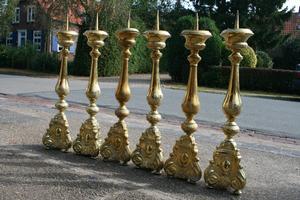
<point x="148" y="153"/>
<point x="57" y="135"/>
<point x="183" y="161"/>
<point x="88" y="140"/>
<point x="225" y="171"/>
<point x="116" y="145"/>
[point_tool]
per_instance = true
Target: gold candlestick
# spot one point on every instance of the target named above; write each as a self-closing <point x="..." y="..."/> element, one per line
<point x="183" y="161"/>
<point x="225" y="171"/>
<point x="57" y="135"/>
<point x="148" y="153"/>
<point x="116" y="145"/>
<point x="88" y="140"/>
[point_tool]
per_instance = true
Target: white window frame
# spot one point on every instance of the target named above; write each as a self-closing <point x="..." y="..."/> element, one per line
<point x="19" y="37"/>
<point x="9" y="39"/>
<point x="31" y="13"/>
<point x="37" y="40"/>
<point x="17" y="16"/>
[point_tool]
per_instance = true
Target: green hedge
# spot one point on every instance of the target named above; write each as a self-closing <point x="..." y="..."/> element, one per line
<point x="28" y="58"/>
<point x="268" y="80"/>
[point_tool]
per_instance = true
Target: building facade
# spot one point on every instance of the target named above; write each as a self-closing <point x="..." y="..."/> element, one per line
<point x="292" y="26"/>
<point x="30" y="25"/>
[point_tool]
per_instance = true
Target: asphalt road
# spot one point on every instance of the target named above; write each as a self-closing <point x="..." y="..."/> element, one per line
<point x="269" y="116"/>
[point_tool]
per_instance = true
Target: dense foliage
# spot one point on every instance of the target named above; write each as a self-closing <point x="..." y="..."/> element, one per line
<point x="263" y="60"/>
<point x="176" y="56"/>
<point x="287" y="56"/>
<point x="29" y="59"/>
<point x="266" y="18"/>
<point x="6" y="16"/>
<point x="267" y="80"/>
<point x="249" y="57"/>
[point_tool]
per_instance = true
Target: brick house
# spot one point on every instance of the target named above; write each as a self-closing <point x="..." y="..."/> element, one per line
<point x="31" y="24"/>
<point x="292" y="26"/>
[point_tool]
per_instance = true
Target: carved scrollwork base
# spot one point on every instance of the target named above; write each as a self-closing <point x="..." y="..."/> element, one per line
<point x="88" y="140"/>
<point x="183" y="161"/>
<point x="57" y="135"/>
<point x="225" y="171"/>
<point x="148" y="153"/>
<point x="116" y="145"/>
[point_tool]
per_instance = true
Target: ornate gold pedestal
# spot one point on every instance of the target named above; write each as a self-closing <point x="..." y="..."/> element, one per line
<point x="225" y="171"/>
<point x="116" y="145"/>
<point x="183" y="161"/>
<point x="148" y="153"/>
<point x="57" y="135"/>
<point x="88" y="140"/>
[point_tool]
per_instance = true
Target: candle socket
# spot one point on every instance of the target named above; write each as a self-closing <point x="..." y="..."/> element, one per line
<point x="148" y="153"/>
<point x="183" y="161"/>
<point x="116" y="144"/>
<point x="88" y="141"/>
<point x="225" y="171"/>
<point x="57" y="135"/>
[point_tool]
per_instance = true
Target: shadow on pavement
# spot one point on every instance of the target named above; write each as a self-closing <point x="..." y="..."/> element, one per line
<point x="32" y="164"/>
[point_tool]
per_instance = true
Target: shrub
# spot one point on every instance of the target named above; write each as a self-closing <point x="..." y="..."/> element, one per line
<point x="178" y="66"/>
<point x="28" y="58"/>
<point x="263" y="60"/>
<point x="270" y="80"/>
<point x="140" y="61"/>
<point x="249" y="58"/>
<point x="45" y="62"/>
<point x="286" y="56"/>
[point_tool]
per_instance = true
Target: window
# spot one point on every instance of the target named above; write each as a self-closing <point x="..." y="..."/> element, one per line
<point x="3" y="5"/>
<point x="298" y="27"/>
<point x="4" y="2"/>
<point x="9" y="39"/>
<point x="30" y="13"/>
<point x="16" y="19"/>
<point x="22" y="38"/>
<point x="37" y="40"/>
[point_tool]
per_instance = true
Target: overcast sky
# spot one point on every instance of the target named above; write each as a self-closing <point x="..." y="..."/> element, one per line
<point x="289" y="3"/>
<point x="292" y="3"/>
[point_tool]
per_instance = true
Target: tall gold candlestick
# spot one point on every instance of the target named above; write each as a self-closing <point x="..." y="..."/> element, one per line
<point x="88" y="140"/>
<point x="183" y="161"/>
<point x="225" y="171"/>
<point x="57" y="135"/>
<point x="116" y="145"/>
<point x="148" y="153"/>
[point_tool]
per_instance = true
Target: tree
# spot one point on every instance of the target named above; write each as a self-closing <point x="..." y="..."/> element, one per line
<point x="111" y="17"/>
<point x="178" y="65"/>
<point x="266" y="18"/>
<point x="6" y="15"/>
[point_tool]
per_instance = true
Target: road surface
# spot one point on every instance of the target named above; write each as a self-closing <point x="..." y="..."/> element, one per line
<point x="268" y="116"/>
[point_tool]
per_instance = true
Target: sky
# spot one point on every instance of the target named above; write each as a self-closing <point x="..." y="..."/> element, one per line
<point x="289" y="3"/>
<point x="292" y="3"/>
